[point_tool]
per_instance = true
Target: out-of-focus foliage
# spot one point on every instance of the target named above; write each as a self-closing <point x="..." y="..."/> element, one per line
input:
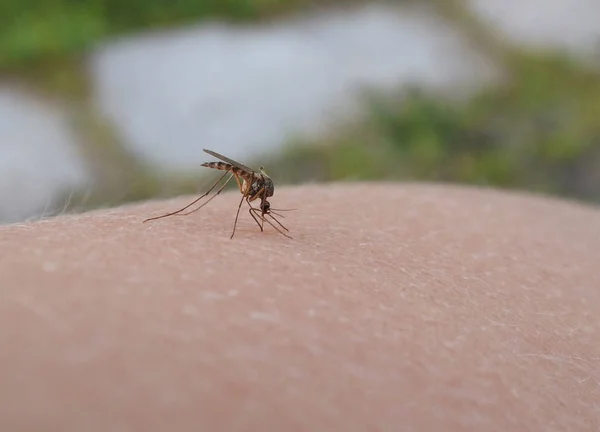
<point x="540" y="131"/>
<point x="31" y="30"/>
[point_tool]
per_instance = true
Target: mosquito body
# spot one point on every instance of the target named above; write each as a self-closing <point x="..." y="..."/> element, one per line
<point x="253" y="185"/>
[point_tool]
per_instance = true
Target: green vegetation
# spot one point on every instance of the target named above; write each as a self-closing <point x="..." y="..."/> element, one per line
<point x="37" y="30"/>
<point x="539" y="131"/>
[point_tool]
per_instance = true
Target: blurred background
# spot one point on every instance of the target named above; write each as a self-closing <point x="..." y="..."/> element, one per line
<point x="104" y="102"/>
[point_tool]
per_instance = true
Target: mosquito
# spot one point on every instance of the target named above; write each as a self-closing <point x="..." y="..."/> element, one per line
<point x="252" y="185"/>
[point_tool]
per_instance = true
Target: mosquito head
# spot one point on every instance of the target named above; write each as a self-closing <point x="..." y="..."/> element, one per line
<point x="265" y="206"/>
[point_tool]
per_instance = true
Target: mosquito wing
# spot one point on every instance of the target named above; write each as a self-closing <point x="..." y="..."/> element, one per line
<point x="230" y="161"/>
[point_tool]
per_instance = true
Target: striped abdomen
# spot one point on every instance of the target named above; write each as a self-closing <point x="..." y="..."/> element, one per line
<point x="222" y="166"/>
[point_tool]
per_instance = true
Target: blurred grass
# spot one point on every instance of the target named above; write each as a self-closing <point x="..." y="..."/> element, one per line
<point x="42" y="41"/>
<point x="36" y="32"/>
<point x="538" y="131"/>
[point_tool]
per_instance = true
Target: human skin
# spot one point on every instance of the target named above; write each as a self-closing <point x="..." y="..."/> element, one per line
<point x="396" y="307"/>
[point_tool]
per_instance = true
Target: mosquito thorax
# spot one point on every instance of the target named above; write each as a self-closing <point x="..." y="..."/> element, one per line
<point x="269" y="186"/>
<point x="267" y="182"/>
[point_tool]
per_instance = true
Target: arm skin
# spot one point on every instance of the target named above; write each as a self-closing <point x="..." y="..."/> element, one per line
<point x="396" y="307"/>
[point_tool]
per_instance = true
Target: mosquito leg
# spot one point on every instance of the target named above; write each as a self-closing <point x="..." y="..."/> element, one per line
<point x="254" y="217"/>
<point x="270" y="223"/>
<point x="252" y="214"/>
<point x="210" y="199"/>
<point x="262" y="218"/>
<point x="279" y="223"/>
<point x="196" y="200"/>
<point x="238" y="210"/>
<point x="239" y="183"/>
<point x="262" y="201"/>
<point x="262" y="191"/>
<point x="272" y="217"/>
<point x="236" y="218"/>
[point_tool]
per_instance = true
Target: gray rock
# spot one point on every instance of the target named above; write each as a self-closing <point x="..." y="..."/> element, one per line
<point x="571" y="26"/>
<point x="243" y="90"/>
<point x="38" y="158"/>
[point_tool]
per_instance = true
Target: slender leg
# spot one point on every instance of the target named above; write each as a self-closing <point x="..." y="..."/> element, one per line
<point x="196" y="200"/>
<point x="262" y="218"/>
<point x="262" y="191"/>
<point x="239" y="183"/>
<point x="272" y="217"/>
<point x="196" y="209"/>
<point x="250" y="210"/>
<point x="276" y="211"/>
<point x="262" y="200"/>
<point x="236" y="217"/>
<point x="240" y="206"/>
<point x="279" y="223"/>
<point x="255" y="210"/>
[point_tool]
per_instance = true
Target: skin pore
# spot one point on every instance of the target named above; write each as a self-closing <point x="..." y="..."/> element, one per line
<point x="409" y="307"/>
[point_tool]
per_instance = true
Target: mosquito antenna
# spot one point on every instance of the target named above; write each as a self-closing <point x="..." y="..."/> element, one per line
<point x="275" y="211"/>
<point x="279" y="223"/>
<point x="280" y="210"/>
<point x="255" y="210"/>
<point x="196" y="200"/>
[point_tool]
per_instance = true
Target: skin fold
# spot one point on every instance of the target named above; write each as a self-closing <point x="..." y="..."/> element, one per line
<point x="413" y="307"/>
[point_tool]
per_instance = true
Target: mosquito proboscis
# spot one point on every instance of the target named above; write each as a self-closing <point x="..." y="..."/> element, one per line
<point x="252" y="185"/>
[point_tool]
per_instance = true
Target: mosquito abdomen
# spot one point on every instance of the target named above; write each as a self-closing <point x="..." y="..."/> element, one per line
<point x="222" y="166"/>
